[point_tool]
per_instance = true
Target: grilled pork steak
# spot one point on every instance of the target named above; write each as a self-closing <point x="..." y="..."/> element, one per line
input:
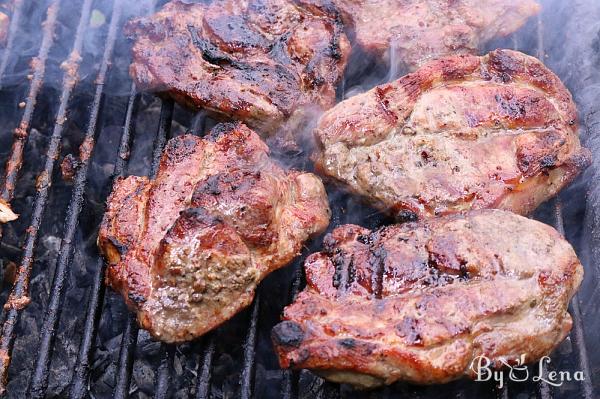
<point x="460" y="133"/>
<point x="188" y="248"/>
<point x="410" y="32"/>
<point x="419" y="301"/>
<point x="263" y="62"/>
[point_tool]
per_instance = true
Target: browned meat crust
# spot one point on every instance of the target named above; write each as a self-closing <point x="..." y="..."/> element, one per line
<point x="419" y="301"/>
<point x="188" y="248"/>
<point x="460" y="133"/>
<point x="263" y="62"/>
<point x="410" y="32"/>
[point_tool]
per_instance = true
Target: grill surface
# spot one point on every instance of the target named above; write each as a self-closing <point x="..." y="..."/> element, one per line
<point x="111" y="355"/>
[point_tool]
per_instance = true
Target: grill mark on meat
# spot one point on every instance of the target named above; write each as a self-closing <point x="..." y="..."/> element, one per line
<point x="335" y="50"/>
<point x="377" y="259"/>
<point x="344" y="275"/>
<point x="448" y="265"/>
<point x="384" y="104"/>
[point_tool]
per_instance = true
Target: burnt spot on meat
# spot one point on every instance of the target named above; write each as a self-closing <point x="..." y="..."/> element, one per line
<point x="211" y="53"/>
<point x="338" y="261"/>
<point x="504" y="64"/>
<point x="210" y="186"/>
<point x="313" y="79"/>
<point x="281" y="85"/>
<point x="539" y="153"/>
<point x="221" y="129"/>
<point x="287" y="334"/>
<point x="118" y="245"/>
<point x="278" y="50"/>
<point x="405" y="216"/>
<point x="335" y="50"/>
<point x="345" y="272"/>
<point x="347" y="343"/>
<point x="136" y="298"/>
<point x="364" y="239"/>
<point x="179" y="149"/>
<point x="548" y="161"/>
<point x="435" y="278"/>
<point x="234" y="32"/>
<point x="377" y="260"/>
<point x="511" y="106"/>
<point x="447" y="261"/>
<point x="197" y="216"/>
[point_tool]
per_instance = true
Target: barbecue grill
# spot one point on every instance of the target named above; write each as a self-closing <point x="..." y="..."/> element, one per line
<point x="65" y="91"/>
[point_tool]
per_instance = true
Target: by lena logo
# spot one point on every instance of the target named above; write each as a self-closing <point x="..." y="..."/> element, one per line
<point x="517" y="371"/>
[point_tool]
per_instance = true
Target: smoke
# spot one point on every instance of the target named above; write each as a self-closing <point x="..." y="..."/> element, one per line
<point x="574" y="53"/>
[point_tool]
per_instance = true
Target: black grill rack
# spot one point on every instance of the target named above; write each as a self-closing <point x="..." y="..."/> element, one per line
<point x="18" y="299"/>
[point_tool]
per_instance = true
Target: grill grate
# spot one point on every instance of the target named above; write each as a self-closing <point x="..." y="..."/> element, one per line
<point x="19" y="296"/>
<point x="39" y="381"/>
<point x="81" y="374"/>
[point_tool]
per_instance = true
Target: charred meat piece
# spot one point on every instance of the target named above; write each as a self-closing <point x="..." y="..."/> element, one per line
<point x="420" y="301"/>
<point x="460" y="133"/>
<point x="188" y="248"/>
<point x="263" y="62"/>
<point x="410" y="32"/>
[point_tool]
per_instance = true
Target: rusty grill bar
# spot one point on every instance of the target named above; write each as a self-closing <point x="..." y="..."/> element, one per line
<point x="19" y="295"/>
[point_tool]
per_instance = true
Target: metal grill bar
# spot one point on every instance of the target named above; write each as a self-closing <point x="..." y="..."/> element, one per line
<point x="164" y="132"/>
<point x="14" y="163"/>
<point x="289" y="386"/>
<point x="39" y="380"/>
<point x="128" y="342"/>
<point x="577" y="331"/>
<point x="204" y="372"/>
<point x="130" y="334"/>
<point x="246" y="383"/>
<point x="12" y="31"/>
<point x="164" y="371"/>
<point x="78" y="386"/>
<point x="81" y="373"/>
